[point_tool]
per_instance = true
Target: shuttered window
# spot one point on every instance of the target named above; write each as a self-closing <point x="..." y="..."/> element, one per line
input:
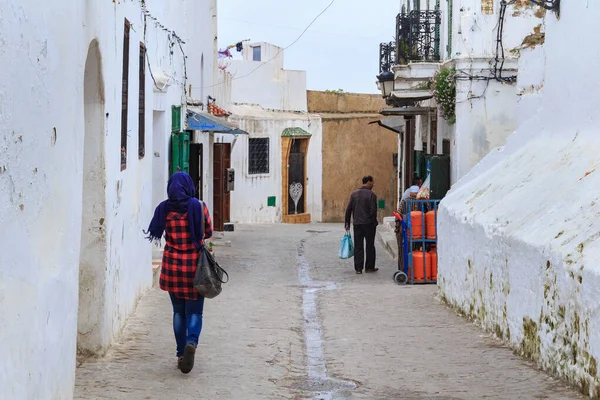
<point x="258" y="156"/>
<point x="142" y="105"/>
<point x="125" y="95"/>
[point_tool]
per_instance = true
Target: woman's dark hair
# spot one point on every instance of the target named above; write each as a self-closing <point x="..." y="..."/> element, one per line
<point x="417" y="180"/>
<point x="367" y="179"/>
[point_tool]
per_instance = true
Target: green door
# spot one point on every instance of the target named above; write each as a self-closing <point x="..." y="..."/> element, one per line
<point x="180" y="152"/>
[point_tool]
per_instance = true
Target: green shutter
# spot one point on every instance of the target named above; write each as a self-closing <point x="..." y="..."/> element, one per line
<point x="180" y="152"/>
<point x="185" y="151"/>
<point x="440" y="176"/>
<point x="175" y="118"/>
<point x="175" y="152"/>
<point x="420" y="165"/>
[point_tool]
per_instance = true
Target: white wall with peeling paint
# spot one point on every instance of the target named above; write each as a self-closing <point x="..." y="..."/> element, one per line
<point x="485" y="111"/>
<point x="52" y="171"/>
<point x="522" y="238"/>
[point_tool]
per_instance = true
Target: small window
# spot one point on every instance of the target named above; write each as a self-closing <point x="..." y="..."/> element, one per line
<point x="125" y="95"/>
<point x="258" y="156"/>
<point x="142" y="105"/>
<point x="256" y="53"/>
<point x="446" y="147"/>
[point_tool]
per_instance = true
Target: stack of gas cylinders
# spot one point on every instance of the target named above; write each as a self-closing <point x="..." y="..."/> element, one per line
<point x="427" y="259"/>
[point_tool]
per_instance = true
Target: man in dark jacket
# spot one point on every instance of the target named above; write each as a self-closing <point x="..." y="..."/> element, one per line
<point x="363" y="210"/>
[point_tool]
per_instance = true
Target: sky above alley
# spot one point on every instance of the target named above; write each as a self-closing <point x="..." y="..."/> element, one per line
<point x="341" y="49"/>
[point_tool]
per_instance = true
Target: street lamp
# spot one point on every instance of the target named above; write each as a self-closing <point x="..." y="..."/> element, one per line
<point x="386" y="83"/>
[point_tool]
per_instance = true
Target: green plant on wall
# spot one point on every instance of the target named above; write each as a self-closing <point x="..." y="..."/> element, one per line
<point x="444" y="91"/>
<point x="403" y="51"/>
<point x="427" y="85"/>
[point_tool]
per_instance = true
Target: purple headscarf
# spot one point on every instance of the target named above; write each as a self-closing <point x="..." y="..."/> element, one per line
<point x="181" y="192"/>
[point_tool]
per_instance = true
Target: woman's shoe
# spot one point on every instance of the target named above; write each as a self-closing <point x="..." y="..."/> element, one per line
<point x="187" y="363"/>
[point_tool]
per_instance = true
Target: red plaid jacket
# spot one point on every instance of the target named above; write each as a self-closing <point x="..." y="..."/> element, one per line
<point x="180" y="257"/>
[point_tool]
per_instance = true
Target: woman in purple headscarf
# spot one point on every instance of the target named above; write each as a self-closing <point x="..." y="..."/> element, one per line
<point x="185" y="223"/>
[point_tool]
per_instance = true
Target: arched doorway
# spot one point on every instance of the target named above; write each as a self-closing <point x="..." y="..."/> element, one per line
<point x="294" y="143"/>
<point x="93" y="254"/>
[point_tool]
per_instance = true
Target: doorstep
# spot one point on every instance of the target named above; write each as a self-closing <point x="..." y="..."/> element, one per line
<point x="296" y="219"/>
<point x="387" y="238"/>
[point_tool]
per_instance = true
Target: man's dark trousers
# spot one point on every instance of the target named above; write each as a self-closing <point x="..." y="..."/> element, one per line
<point x="364" y="233"/>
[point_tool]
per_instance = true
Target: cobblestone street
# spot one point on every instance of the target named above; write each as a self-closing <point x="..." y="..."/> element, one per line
<point x="295" y="322"/>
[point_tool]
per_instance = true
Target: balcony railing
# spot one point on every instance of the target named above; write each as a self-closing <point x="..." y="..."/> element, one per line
<point x="418" y="36"/>
<point x="387" y="56"/>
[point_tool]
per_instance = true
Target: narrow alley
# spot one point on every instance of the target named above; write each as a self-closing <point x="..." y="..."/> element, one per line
<point x="295" y="322"/>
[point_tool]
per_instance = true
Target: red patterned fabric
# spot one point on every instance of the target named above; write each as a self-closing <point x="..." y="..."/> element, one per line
<point x="180" y="257"/>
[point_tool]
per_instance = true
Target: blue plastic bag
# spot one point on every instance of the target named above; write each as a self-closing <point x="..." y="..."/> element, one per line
<point x="346" y="247"/>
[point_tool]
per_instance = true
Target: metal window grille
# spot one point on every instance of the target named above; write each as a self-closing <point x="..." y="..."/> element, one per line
<point x="258" y="156"/>
<point x="417" y="33"/>
<point x="387" y="56"/>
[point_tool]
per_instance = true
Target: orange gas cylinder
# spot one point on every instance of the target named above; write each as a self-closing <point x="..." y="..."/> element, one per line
<point x="430" y="225"/>
<point x="416" y="222"/>
<point x="434" y="265"/>
<point x="418" y="263"/>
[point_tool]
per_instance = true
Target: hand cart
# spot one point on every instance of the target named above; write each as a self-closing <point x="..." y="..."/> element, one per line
<point x="418" y="250"/>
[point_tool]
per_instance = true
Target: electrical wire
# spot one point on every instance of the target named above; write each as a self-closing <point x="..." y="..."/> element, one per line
<point x="173" y="38"/>
<point x="500" y="58"/>
<point x="280" y="50"/>
<point x="296" y="29"/>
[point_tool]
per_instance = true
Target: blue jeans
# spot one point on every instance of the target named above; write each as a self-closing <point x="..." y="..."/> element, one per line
<point x="187" y="321"/>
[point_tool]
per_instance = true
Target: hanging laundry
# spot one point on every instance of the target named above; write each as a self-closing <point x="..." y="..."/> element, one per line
<point x="224" y="53"/>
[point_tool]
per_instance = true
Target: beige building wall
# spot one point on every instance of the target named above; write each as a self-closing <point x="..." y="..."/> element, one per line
<point x="353" y="148"/>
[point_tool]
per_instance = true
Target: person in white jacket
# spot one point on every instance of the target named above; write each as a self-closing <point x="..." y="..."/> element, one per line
<point x="417" y="183"/>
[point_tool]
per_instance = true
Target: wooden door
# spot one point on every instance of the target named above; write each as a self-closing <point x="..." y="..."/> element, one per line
<point x="197" y="168"/>
<point x="227" y="195"/>
<point x="221" y="199"/>
<point x="409" y="151"/>
<point x="434" y="138"/>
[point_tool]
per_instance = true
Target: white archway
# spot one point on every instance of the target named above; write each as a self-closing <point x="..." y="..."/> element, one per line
<point x="93" y="254"/>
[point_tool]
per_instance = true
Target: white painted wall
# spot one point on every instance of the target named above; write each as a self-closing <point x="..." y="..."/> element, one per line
<point x="521" y="234"/>
<point x="249" y="200"/>
<point x="485" y="112"/>
<point x="42" y="180"/>
<point x="263" y="104"/>
<point x="485" y="117"/>
<point x="270" y="86"/>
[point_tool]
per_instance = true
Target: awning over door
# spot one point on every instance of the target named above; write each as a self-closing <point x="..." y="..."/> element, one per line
<point x="198" y="120"/>
<point x="407" y="111"/>
<point x="295" y="132"/>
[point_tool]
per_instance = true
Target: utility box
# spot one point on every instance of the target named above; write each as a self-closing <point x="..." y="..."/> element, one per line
<point x="230" y="180"/>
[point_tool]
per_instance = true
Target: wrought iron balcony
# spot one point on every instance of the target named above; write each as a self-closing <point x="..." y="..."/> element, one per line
<point x="387" y="56"/>
<point x="418" y="36"/>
